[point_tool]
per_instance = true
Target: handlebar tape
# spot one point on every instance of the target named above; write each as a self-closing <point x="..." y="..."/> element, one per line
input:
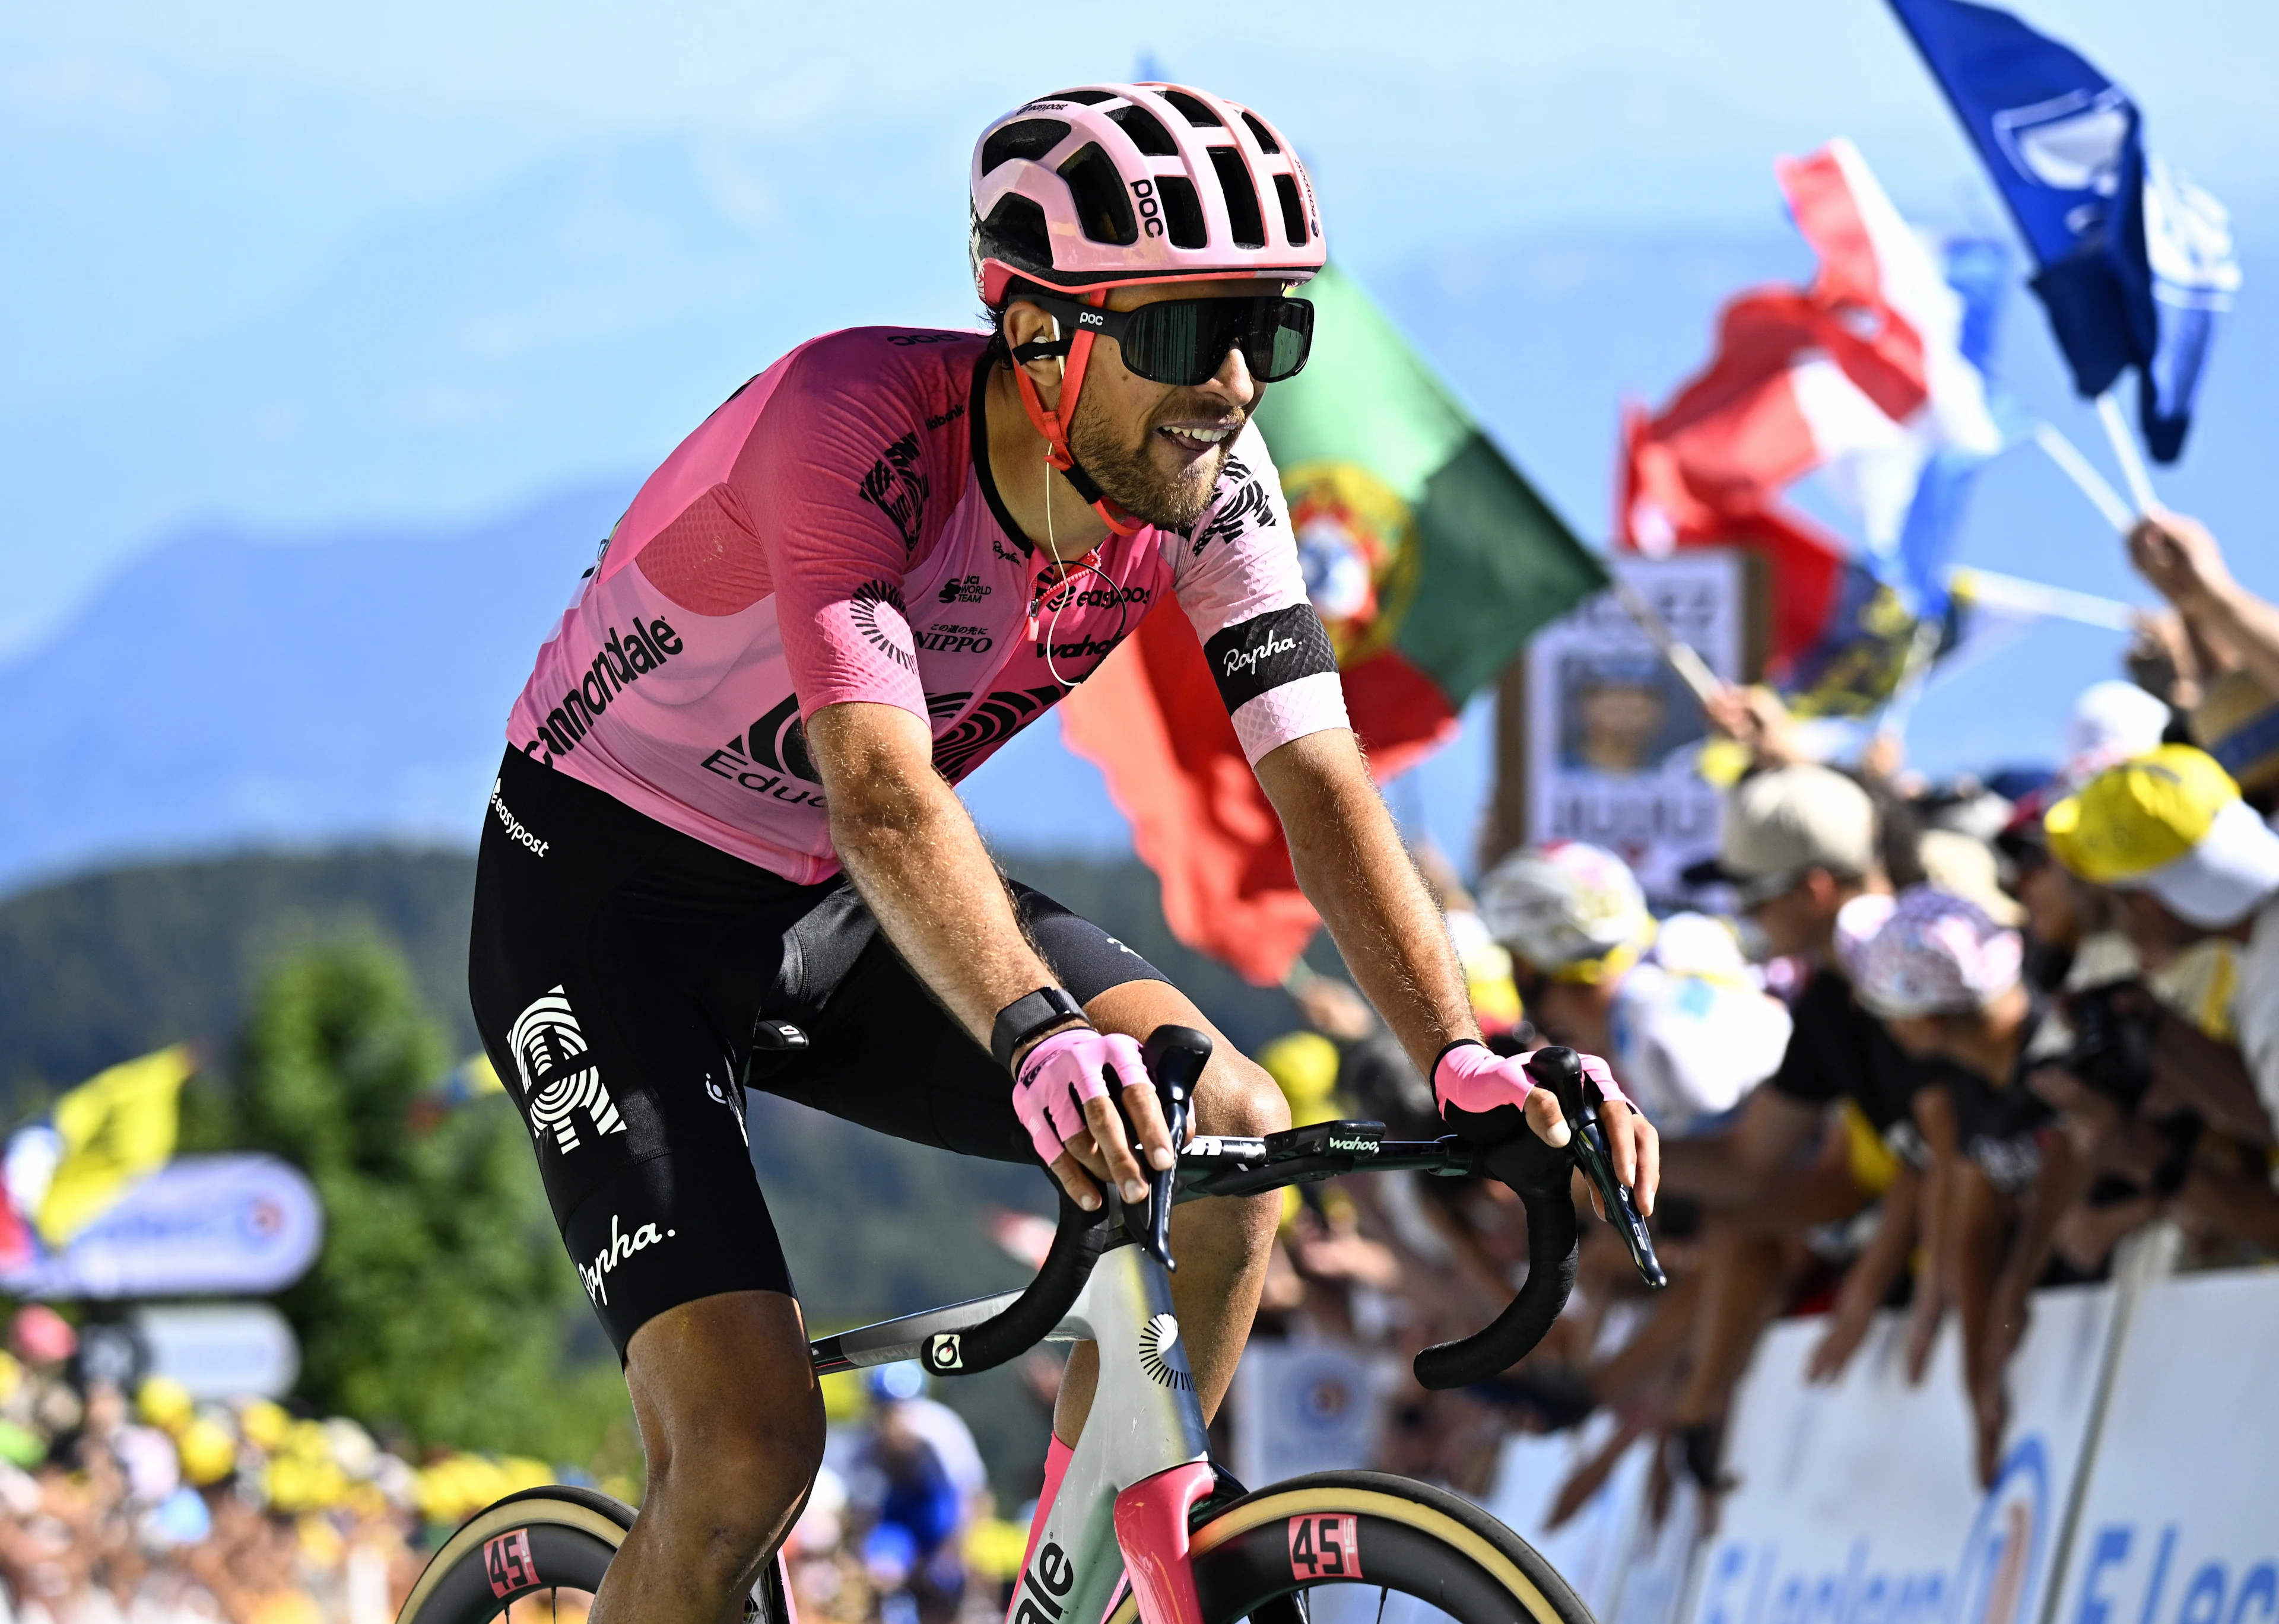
<point x="1030" y="1317"/>
<point x="1539" y="1175"/>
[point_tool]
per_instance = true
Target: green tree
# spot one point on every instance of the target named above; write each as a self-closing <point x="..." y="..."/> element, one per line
<point x="441" y="1301"/>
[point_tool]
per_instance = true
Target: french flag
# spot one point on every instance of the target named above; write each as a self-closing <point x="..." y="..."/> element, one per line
<point x="1862" y="376"/>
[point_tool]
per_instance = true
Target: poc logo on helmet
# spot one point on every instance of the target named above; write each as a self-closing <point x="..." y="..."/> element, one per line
<point x="945" y="1352"/>
<point x="1151" y="212"/>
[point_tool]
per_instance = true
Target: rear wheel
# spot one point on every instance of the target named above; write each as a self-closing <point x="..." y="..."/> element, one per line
<point x="538" y="1558"/>
<point x="1367" y="1548"/>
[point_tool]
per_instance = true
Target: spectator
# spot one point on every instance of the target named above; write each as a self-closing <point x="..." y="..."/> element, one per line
<point x="1668" y="1003"/>
<point x="1945" y="981"/>
<point x="2237" y="724"/>
<point x="2184" y="565"/>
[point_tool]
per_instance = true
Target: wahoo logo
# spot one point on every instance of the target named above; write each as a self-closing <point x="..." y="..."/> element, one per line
<point x="560" y="1083"/>
<point x="622" y="1245"/>
<point x="1045" y="1586"/>
<point x="1365" y="1147"/>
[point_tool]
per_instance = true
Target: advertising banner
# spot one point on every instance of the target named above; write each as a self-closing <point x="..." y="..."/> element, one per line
<point x="1612" y="732"/>
<point x="1857" y="1502"/>
<point x="2179" y="1520"/>
<point x="237" y="1224"/>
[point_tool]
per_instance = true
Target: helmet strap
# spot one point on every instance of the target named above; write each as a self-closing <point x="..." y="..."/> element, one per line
<point x="1054" y="425"/>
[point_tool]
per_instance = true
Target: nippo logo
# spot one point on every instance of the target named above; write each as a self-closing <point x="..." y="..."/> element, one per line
<point x="1325" y="1545"/>
<point x="506" y="1564"/>
<point x="2002" y="1559"/>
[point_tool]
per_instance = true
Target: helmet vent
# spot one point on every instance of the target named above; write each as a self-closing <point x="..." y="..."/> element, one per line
<point x="1293" y="212"/>
<point x="1015" y="233"/>
<point x="1090" y="98"/>
<point x="1031" y="138"/>
<point x="1196" y="112"/>
<point x="1241" y="198"/>
<point x="1266" y="142"/>
<point x="1183" y="211"/>
<point x="1100" y="204"/>
<point x="1146" y="131"/>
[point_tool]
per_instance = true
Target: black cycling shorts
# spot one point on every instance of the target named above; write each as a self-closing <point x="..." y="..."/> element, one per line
<point x="620" y="973"/>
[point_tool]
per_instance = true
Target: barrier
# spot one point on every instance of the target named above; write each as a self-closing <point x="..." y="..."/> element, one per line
<point x="1855" y="1503"/>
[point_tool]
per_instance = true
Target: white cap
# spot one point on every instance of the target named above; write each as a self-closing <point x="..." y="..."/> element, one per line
<point x="2111" y="721"/>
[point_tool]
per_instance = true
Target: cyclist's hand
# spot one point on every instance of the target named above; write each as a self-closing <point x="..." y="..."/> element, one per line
<point x="1061" y="1094"/>
<point x="1472" y="1077"/>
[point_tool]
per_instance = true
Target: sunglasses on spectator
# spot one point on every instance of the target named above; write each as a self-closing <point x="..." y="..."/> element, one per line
<point x="1184" y="342"/>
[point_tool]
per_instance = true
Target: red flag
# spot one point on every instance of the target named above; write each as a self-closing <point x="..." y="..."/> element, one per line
<point x="1151" y="718"/>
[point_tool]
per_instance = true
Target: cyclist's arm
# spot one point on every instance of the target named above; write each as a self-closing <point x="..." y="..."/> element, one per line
<point x="913" y="852"/>
<point x="1351" y="864"/>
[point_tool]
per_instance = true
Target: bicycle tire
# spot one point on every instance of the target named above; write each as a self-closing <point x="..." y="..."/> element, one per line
<point x="1406" y="1538"/>
<point x="568" y="1538"/>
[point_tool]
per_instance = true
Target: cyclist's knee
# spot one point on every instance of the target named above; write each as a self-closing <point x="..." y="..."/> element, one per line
<point x="1240" y="1099"/>
<point x="740" y="1486"/>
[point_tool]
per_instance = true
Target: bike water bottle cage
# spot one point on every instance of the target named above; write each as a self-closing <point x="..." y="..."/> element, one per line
<point x="1027" y="1016"/>
<point x="1184" y="342"/>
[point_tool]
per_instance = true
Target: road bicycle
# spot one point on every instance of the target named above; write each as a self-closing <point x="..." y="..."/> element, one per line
<point x="1144" y="1528"/>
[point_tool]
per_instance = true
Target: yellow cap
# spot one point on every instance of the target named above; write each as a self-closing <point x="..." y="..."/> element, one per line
<point x="2139" y="816"/>
<point x="164" y="1402"/>
<point x="1304" y="1065"/>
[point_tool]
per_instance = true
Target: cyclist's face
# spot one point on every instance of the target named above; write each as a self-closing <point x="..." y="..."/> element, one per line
<point x="1157" y="449"/>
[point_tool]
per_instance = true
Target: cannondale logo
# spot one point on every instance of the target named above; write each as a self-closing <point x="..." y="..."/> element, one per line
<point x="560" y="1083"/>
<point x="1161" y="1357"/>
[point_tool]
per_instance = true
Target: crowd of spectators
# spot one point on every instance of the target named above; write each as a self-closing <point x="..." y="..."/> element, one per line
<point x="1943" y="1043"/>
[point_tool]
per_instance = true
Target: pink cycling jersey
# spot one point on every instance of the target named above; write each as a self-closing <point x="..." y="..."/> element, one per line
<point x="832" y="533"/>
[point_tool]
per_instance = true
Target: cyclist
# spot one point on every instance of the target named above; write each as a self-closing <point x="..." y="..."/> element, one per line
<point x="724" y="850"/>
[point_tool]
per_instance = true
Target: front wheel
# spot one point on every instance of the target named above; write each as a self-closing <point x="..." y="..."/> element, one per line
<point x="539" y="1556"/>
<point x="1353" y="1543"/>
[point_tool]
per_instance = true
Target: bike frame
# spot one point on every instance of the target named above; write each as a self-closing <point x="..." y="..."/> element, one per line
<point x="1121" y="1508"/>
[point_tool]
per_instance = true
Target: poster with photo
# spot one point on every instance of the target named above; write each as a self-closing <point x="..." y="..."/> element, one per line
<point x="1612" y="731"/>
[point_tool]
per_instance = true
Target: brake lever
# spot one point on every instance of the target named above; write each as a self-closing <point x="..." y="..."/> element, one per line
<point x="1175" y="1057"/>
<point x="1579" y="1098"/>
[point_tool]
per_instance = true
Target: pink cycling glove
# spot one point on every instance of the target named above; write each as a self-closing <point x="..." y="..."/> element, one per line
<point x="1064" y="1071"/>
<point x="1471" y="1076"/>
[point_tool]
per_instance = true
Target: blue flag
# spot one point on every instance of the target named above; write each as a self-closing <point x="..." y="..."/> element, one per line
<point x="2135" y="264"/>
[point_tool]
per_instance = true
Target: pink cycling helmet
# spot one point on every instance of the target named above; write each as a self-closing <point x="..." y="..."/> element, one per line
<point x="1104" y="184"/>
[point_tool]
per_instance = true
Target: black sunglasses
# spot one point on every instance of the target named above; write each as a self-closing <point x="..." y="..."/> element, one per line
<point x="1185" y="341"/>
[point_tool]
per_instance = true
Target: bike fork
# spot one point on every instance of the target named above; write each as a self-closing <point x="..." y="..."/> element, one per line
<point x="1151" y="1529"/>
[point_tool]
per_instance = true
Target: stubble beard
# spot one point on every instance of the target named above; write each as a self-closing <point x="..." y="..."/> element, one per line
<point x="1126" y="472"/>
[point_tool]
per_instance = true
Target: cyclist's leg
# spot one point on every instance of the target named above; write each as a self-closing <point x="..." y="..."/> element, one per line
<point x="732" y="1429"/>
<point x="614" y="969"/>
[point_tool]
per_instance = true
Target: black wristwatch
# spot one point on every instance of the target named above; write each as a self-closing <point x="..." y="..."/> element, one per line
<point x="1028" y="1016"/>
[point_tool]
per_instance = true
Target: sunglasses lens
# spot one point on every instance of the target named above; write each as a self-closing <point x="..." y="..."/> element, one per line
<point x="1185" y="341"/>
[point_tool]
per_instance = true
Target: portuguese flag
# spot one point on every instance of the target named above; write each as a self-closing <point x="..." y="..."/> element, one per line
<point x="1431" y="561"/>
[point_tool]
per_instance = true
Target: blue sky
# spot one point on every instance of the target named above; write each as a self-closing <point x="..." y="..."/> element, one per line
<point x="294" y="267"/>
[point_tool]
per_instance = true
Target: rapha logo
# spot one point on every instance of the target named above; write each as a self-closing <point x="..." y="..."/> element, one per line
<point x="560" y="1082"/>
<point x="1248" y="659"/>
<point x="622" y="1245"/>
<point x="896" y="488"/>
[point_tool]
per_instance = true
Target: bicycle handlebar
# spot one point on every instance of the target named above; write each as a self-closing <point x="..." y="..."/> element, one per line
<point x="1511" y="1152"/>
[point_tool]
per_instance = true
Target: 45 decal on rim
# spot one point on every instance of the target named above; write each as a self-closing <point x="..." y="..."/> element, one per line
<point x="507" y="1563"/>
<point x="1325" y="1545"/>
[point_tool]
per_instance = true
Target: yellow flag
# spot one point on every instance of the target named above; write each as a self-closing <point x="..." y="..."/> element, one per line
<point x="117" y="1127"/>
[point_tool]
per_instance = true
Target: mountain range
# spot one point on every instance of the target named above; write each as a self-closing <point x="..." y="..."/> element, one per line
<point x="407" y="462"/>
